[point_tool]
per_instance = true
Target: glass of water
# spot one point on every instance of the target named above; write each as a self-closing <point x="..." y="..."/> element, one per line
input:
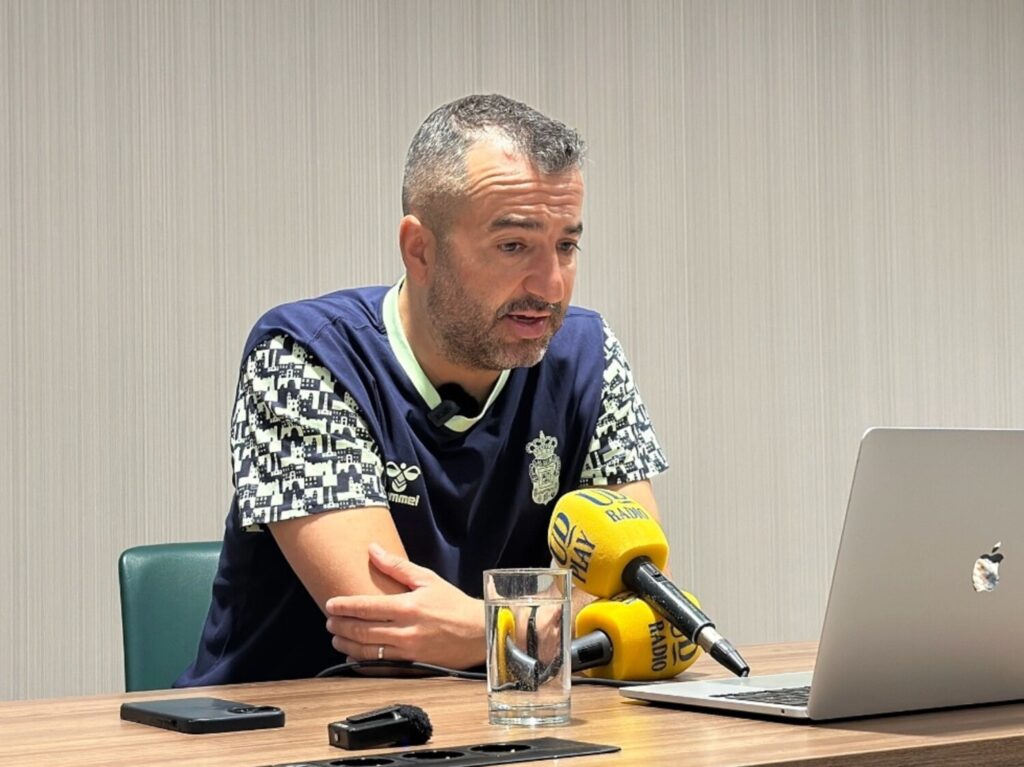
<point x="529" y="611"/>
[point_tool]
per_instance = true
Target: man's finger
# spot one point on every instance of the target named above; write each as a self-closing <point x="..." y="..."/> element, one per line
<point x="368" y="608"/>
<point x="357" y="650"/>
<point x="360" y="652"/>
<point x="364" y="632"/>
<point x="367" y="632"/>
<point x="399" y="569"/>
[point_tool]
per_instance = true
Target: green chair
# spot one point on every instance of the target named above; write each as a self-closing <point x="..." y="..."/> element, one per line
<point x="165" y="595"/>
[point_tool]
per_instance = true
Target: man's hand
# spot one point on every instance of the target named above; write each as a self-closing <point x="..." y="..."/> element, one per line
<point x="434" y="622"/>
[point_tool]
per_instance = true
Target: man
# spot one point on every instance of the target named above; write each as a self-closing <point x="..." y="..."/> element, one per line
<point x="391" y="444"/>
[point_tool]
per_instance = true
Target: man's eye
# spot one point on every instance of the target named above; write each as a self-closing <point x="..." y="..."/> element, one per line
<point x="569" y="246"/>
<point x="510" y="247"/>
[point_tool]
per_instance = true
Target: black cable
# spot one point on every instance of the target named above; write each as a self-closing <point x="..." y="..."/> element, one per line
<point x="428" y="669"/>
<point x="607" y="682"/>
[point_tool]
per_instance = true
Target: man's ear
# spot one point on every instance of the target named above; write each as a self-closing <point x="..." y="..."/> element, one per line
<point x="417" y="244"/>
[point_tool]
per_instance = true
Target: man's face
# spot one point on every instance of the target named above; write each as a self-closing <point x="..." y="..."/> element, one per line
<point x="502" y="279"/>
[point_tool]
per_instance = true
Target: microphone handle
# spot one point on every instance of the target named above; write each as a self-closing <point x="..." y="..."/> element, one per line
<point x="644" y="579"/>
<point x="590" y="651"/>
<point x="524" y="671"/>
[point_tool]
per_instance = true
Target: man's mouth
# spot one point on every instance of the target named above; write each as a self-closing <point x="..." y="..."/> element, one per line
<point x="528" y="316"/>
<point x="528" y="325"/>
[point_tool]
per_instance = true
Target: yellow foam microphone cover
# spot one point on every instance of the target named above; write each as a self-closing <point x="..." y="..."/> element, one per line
<point x="644" y="645"/>
<point x="595" y="533"/>
<point x="504" y="625"/>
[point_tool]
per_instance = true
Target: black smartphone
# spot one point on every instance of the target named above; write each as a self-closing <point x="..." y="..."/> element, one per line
<point x="202" y="715"/>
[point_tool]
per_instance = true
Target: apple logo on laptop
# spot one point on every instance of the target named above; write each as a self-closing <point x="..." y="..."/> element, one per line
<point x="986" y="570"/>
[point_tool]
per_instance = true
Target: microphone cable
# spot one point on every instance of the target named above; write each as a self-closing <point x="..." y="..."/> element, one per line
<point x="428" y="669"/>
<point x="425" y="669"/>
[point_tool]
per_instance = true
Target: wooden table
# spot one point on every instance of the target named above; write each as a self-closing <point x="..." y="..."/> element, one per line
<point x="88" y="731"/>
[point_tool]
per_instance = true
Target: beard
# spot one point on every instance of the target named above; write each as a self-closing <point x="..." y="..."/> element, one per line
<point x="471" y="335"/>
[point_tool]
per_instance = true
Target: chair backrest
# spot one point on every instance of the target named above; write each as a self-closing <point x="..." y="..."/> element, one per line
<point x="165" y="595"/>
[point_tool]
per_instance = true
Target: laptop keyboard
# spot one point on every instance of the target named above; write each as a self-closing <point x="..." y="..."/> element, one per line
<point x="788" y="696"/>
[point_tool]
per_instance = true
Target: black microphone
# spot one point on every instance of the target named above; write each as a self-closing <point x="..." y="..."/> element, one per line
<point x="454" y="401"/>
<point x="439" y="415"/>
<point x="400" y="725"/>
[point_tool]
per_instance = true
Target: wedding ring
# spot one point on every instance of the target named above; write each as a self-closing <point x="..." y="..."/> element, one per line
<point x="380" y="652"/>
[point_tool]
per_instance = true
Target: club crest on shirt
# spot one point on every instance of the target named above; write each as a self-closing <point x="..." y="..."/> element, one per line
<point x="544" y="468"/>
<point x="399" y="477"/>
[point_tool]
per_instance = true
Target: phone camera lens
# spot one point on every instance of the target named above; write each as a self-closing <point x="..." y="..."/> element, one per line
<point x="252" y="709"/>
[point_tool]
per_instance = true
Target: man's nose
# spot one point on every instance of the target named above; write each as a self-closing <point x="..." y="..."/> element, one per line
<point x="547" y="277"/>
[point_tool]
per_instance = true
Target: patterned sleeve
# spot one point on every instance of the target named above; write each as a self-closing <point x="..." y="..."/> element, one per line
<point x="299" y="444"/>
<point x="624" y="447"/>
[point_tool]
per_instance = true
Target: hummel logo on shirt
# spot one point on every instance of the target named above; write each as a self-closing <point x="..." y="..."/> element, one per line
<point x="400" y="475"/>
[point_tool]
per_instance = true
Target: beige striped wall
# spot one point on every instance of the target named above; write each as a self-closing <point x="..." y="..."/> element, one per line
<point x="803" y="218"/>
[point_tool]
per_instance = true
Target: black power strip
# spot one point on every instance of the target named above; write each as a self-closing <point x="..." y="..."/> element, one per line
<point x="479" y="755"/>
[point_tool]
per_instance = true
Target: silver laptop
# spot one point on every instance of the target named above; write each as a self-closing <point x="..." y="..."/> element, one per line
<point x="923" y="611"/>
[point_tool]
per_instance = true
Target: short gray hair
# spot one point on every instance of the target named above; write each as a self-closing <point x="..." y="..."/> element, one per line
<point x="435" y="167"/>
